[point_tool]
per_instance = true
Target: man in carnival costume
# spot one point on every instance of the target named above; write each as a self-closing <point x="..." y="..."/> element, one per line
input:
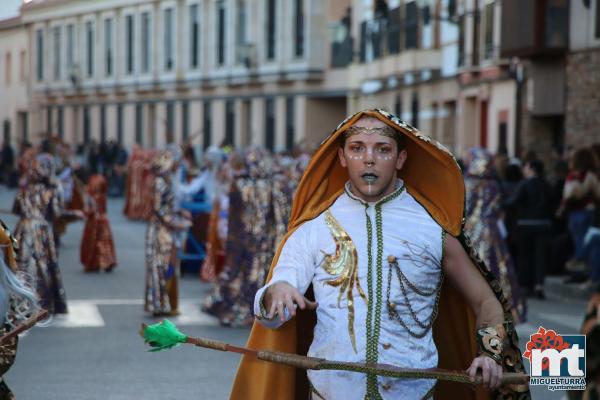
<point x="376" y="226"/>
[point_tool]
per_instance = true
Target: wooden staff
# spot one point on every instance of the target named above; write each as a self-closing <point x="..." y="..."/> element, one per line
<point x="165" y="336"/>
<point x="28" y="323"/>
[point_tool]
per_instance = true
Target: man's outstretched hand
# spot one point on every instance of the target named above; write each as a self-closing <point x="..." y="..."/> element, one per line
<point x="491" y="372"/>
<point x="281" y="295"/>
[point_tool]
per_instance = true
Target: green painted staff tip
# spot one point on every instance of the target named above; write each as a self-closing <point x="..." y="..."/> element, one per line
<point x="162" y="336"/>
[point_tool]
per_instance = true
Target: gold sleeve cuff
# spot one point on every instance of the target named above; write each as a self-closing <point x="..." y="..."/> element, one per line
<point x="490" y="340"/>
<point x="262" y="314"/>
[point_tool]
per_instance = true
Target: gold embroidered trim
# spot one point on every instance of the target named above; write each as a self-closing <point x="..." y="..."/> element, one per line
<point x="345" y="264"/>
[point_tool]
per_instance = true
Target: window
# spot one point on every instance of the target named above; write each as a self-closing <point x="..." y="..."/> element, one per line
<point x="194" y="36"/>
<point x="89" y="34"/>
<point x="6" y="130"/>
<point x="489" y="31"/>
<point x="461" y="41"/>
<point x="240" y="36"/>
<point x="414" y="108"/>
<point x="7" y="68"/>
<point x="139" y="123"/>
<point x="229" y="122"/>
<point x="597" y="26"/>
<point x="22" y="66"/>
<point x="271" y="28"/>
<point x="476" y="37"/>
<point x="120" y="123"/>
<point x="289" y="123"/>
<point x="87" y="134"/>
<point x="56" y="52"/>
<point x="70" y="46"/>
<point x="39" y="39"/>
<point x="206" y="124"/>
<point x="129" y="38"/>
<point x="102" y="123"/>
<point x="168" y="38"/>
<point x="398" y="106"/>
<point x="60" y="122"/>
<point x="170" y="122"/>
<point x="49" y="120"/>
<point x="394" y="30"/>
<point x="185" y="120"/>
<point x="221" y="32"/>
<point x="146" y="42"/>
<point x="270" y="124"/>
<point x="108" y="47"/>
<point x="411" y="32"/>
<point x="145" y="33"/>
<point x="299" y="28"/>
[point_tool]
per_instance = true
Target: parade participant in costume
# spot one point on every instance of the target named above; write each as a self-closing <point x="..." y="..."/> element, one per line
<point x="484" y="226"/>
<point x="375" y="247"/>
<point x="161" y="294"/>
<point x="97" y="247"/>
<point x="38" y="204"/>
<point x="250" y="242"/>
<point x="17" y="304"/>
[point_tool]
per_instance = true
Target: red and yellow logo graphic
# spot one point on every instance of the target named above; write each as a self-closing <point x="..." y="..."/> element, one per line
<point x="545" y="339"/>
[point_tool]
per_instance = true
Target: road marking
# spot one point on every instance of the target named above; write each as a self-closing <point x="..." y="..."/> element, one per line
<point x="191" y="314"/>
<point x="81" y="315"/>
<point x="86" y="313"/>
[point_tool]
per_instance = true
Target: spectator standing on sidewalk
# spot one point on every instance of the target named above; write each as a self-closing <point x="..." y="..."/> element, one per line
<point x="533" y="205"/>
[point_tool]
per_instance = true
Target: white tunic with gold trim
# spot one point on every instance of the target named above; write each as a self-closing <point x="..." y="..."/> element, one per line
<point x="332" y="252"/>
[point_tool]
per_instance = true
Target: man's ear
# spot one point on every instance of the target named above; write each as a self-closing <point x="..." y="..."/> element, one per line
<point x="342" y="157"/>
<point x="401" y="159"/>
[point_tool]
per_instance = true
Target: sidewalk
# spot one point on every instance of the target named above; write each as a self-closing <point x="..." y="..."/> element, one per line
<point x="556" y="289"/>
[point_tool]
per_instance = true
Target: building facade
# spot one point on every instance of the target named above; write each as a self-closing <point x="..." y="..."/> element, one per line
<point x="407" y="63"/>
<point x="507" y="75"/>
<point x="150" y="72"/>
<point x="14" y="79"/>
<point x="582" y="123"/>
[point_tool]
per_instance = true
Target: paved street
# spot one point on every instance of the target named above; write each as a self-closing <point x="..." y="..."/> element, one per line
<point x="96" y="353"/>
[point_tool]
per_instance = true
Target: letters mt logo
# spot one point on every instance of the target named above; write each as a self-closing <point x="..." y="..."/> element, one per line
<point x="556" y="360"/>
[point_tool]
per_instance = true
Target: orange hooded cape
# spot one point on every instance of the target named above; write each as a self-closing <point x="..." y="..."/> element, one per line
<point x="432" y="176"/>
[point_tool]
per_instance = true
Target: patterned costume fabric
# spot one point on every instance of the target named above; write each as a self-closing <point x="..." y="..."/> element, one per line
<point x="161" y="295"/>
<point x="38" y="205"/>
<point x="97" y="247"/>
<point x="138" y="189"/>
<point x="483" y="210"/>
<point x="8" y="352"/>
<point x="250" y="243"/>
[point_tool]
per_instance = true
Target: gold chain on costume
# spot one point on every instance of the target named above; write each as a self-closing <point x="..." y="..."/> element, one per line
<point x="404" y="281"/>
<point x="345" y="264"/>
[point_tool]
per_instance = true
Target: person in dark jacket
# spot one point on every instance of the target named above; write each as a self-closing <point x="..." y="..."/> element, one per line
<point x="532" y="202"/>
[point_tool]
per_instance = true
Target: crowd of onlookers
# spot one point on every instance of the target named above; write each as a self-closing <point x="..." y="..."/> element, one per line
<point x="551" y="208"/>
<point x="84" y="160"/>
<point x="551" y="215"/>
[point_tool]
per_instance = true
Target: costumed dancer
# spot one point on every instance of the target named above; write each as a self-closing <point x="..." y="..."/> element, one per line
<point x="161" y="294"/>
<point x="484" y="226"/>
<point x="218" y="223"/>
<point x="250" y="242"/>
<point x="97" y="247"/>
<point x="38" y="205"/>
<point x="17" y="304"/>
<point x="376" y="225"/>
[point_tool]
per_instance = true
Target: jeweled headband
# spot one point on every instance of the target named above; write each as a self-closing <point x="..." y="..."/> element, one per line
<point x="380" y="130"/>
